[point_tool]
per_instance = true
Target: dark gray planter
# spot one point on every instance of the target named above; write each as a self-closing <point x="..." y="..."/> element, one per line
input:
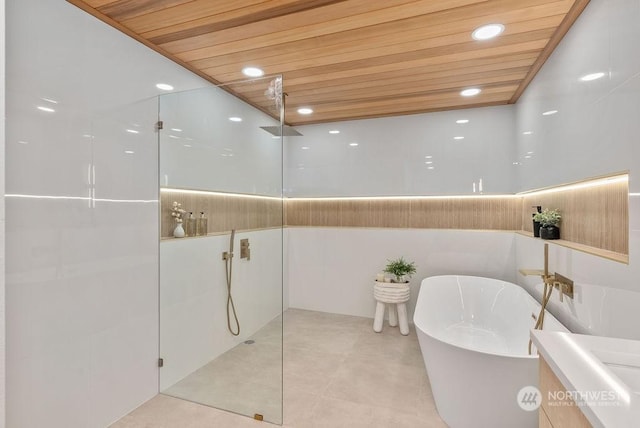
<point x="550" y="232"/>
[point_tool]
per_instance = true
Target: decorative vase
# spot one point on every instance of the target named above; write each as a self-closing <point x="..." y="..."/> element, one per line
<point x="550" y="232"/>
<point x="536" y="229"/>
<point x="178" y="232"/>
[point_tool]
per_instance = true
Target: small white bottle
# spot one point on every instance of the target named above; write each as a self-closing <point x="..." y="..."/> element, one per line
<point x="202" y="225"/>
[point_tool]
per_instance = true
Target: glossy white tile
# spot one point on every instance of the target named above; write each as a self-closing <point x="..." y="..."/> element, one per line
<point x="193" y="297"/>
<point x="82" y="216"/>
<point x="391" y="154"/>
<point x="593" y="133"/>
<point x="333" y="269"/>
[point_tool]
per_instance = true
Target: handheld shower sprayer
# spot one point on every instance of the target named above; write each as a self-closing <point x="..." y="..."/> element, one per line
<point x="227" y="256"/>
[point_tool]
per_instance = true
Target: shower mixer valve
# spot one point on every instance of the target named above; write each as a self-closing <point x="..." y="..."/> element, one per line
<point x="245" y="251"/>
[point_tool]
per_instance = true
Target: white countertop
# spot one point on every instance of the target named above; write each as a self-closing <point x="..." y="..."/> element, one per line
<point x="576" y="360"/>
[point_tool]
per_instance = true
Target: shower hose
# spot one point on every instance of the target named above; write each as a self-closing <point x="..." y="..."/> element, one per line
<point x="546" y="295"/>
<point x="231" y="307"/>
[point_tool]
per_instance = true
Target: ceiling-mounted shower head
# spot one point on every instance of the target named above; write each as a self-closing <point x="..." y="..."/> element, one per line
<point x="285" y="130"/>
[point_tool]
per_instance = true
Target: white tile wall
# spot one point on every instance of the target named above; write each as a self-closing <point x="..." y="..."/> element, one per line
<point x="333" y="269"/>
<point x="594" y="132"/>
<point x="2" y="219"/>
<point x="193" y="297"/>
<point x="221" y="155"/>
<point x="391" y="154"/>
<point x="81" y="275"/>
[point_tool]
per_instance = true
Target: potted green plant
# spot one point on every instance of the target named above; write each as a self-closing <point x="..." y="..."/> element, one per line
<point x="549" y="221"/>
<point x="401" y="269"/>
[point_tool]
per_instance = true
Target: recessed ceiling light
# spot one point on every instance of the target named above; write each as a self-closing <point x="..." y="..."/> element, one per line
<point x="516" y="163"/>
<point x="47" y="109"/>
<point x="23" y="142"/>
<point x="549" y="113"/>
<point x="334" y="131"/>
<point x="529" y="153"/>
<point x="488" y="31"/>
<point x="458" y="138"/>
<point x="430" y="167"/>
<point x="49" y="100"/>
<point x="164" y="86"/>
<point x="428" y="162"/>
<point x="592" y="76"/>
<point x="527" y="157"/>
<point x="304" y="148"/>
<point x="353" y="144"/>
<point x="252" y="72"/>
<point x="176" y="129"/>
<point x="129" y="152"/>
<point x="428" y="157"/>
<point x="305" y="110"/>
<point x="235" y="119"/>
<point x="173" y="136"/>
<point x="132" y="131"/>
<point x="527" y="133"/>
<point x="470" y="92"/>
<point x="187" y="145"/>
<point x="462" y="121"/>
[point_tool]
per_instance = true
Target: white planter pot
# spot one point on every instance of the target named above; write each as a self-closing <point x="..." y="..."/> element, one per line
<point x="389" y="292"/>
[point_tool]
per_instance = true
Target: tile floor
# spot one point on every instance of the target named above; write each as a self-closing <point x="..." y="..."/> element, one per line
<point x="337" y="373"/>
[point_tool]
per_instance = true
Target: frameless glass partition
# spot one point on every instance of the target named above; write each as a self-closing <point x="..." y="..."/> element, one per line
<point x="221" y="259"/>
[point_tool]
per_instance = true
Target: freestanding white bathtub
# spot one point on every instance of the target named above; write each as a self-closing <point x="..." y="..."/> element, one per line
<point x="474" y="335"/>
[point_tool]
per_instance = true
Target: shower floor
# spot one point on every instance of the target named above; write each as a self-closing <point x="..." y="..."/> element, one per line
<point x="337" y="373"/>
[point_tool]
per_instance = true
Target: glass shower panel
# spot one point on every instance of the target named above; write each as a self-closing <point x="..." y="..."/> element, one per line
<point x="221" y="284"/>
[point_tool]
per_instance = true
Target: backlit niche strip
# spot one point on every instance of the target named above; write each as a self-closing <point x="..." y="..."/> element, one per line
<point x="479" y="212"/>
<point x="224" y="211"/>
<point x="595" y="214"/>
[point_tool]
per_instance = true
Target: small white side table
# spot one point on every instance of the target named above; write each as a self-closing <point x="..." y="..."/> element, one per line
<point x="394" y="296"/>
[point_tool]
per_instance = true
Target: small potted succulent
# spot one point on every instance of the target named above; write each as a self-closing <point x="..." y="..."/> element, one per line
<point x="401" y="269"/>
<point x="549" y="221"/>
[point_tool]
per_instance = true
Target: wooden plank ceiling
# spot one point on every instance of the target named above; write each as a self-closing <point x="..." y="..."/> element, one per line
<point x="349" y="59"/>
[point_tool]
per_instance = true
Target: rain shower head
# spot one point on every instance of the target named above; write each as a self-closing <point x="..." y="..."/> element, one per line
<point x="286" y="131"/>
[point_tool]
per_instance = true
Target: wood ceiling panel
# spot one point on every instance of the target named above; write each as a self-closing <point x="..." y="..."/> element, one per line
<point x="341" y="24"/>
<point x="189" y="12"/>
<point x="334" y="113"/>
<point x="432" y="81"/>
<point x="124" y="9"/>
<point x="425" y="65"/>
<point x="370" y="48"/>
<point x="414" y="29"/>
<point x="238" y="18"/>
<point x="350" y="59"/>
<point x="380" y="88"/>
<point x="99" y="3"/>
<point x="441" y="55"/>
<point x="261" y="28"/>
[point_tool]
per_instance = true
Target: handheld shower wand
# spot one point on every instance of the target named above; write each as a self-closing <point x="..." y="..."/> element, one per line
<point x="227" y="256"/>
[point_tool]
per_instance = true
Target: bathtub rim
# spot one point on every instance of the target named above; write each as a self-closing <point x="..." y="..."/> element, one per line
<point x="418" y="325"/>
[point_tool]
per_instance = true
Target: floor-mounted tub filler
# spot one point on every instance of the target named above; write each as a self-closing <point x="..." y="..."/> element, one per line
<point x="474" y="337"/>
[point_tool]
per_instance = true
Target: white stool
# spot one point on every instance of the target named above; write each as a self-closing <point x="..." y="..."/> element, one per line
<point x="394" y="295"/>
